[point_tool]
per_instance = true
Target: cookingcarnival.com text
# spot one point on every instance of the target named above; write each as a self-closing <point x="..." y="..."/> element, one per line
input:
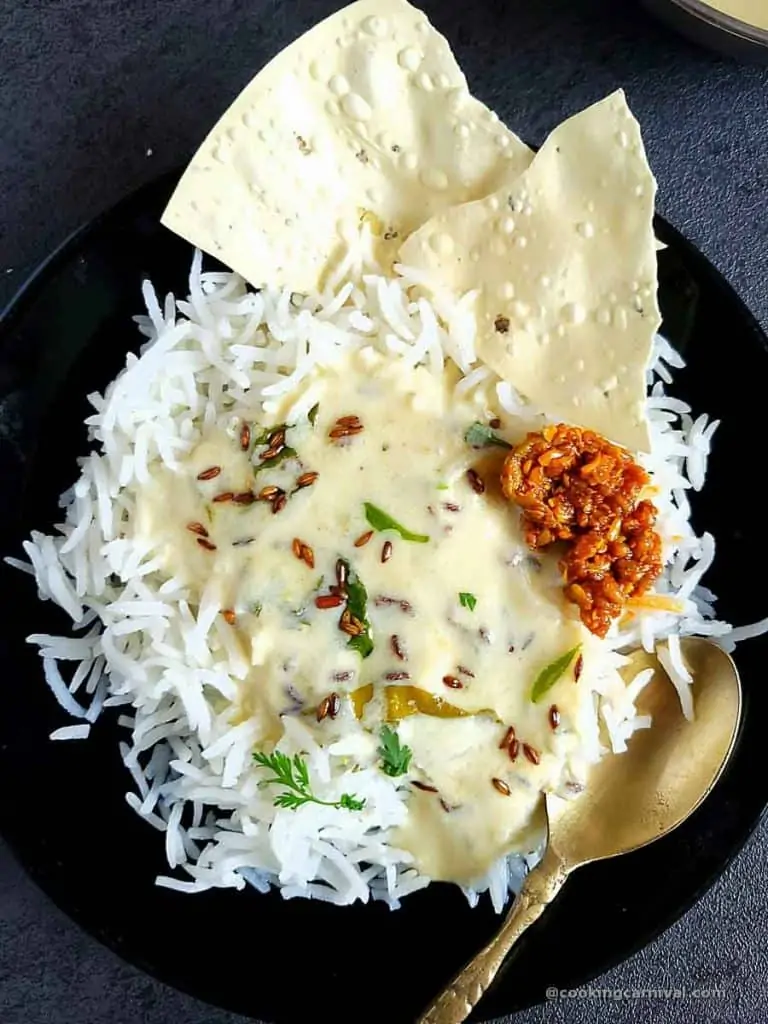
<point x="554" y="994"/>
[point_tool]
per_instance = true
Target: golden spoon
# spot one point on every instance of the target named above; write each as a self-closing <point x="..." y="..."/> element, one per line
<point x="629" y="801"/>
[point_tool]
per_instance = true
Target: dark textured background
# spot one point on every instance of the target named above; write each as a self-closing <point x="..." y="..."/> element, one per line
<point x="99" y="96"/>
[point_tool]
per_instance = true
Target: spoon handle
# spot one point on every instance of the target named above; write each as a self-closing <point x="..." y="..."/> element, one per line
<point x="456" y="1002"/>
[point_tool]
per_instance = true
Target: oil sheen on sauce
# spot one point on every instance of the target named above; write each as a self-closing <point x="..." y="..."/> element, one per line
<point x="411" y="461"/>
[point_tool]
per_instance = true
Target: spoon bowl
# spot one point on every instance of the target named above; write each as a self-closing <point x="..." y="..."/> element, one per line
<point x="629" y="800"/>
<point x="666" y="772"/>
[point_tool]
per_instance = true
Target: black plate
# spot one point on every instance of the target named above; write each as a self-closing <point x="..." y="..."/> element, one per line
<point x="63" y="807"/>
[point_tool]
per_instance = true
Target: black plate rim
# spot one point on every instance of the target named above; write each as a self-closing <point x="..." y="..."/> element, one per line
<point x="25" y="292"/>
<point x="25" y="296"/>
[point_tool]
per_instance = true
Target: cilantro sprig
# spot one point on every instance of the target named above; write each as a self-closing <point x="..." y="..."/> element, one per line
<point x="395" y="756"/>
<point x="293" y="774"/>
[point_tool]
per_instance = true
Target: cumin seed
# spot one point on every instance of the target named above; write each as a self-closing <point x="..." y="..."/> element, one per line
<point x="271" y="453"/>
<point x="243" y="542"/>
<point x="334" y="705"/>
<point x="296" y="547"/>
<point x="395" y="676"/>
<point x="453" y="683"/>
<point x="205" y="543"/>
<point x="363" y="539"/>
<point x="268" y="493"/>
<point x="475" y="481"/>
<point x="323" y="708"/>
<point x="209" y="474"/>
<point x="307" y="556"/>
<point x="276" y="439"/>
<point x="339" y="432"/>
<point x="224" y="496"/>
<point x="245" y="437"/>
<point x="349" y="624"/>
<point x="554" y="717"/>
<point x="577" y="668"/>
<point x="514" y="749"/>
<point x="348" y="421"/>
<point x="352" y="628"/>
<point x="531" y="753"/>
<point x="397" y="647"/>
<point x="501" y="787"/>
<point x="382" y="601"/>
<point x="197" y="528"/>
<point x="386" y="551"/>
<point x="466" y="672"/>
<point x="244" y="498"/>
<point x="341" y="572"/>
<point x="423" y="786"/>
<point x="342" y="677"/>
<point x="451" y="506"/>
<point x="229" y="616"/>
<point x="509" y="735"/>
<point x="279" y="503"/>
<point x="446" y="807"/>
<point x="328" y="601"/>
<point x="306" y="479"/>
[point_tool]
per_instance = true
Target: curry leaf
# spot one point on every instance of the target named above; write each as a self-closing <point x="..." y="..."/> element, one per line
<point x="467" y="600"/>
<point x="550" y="674"/>
<point x="363" y="644"/>
<point x="269" y="432"/>
<point x="381" y="521"/>
<point x="357" y="606"/>
<point x="312" y="415"/>
<point x="480" y="436"/>
<point x="282" y="455"/>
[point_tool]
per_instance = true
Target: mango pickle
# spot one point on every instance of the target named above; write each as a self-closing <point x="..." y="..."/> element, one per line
<point x="402" y="701"/>
<point x="360" y="698"/>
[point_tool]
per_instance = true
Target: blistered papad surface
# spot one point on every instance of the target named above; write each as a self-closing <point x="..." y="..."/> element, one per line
<point x="563" y="261"/>
<point x="367" y="116"/>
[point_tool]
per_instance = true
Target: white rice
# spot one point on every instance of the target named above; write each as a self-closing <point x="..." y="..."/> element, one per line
<point x="222" y="355"/>
<point x="71" y="732"/>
